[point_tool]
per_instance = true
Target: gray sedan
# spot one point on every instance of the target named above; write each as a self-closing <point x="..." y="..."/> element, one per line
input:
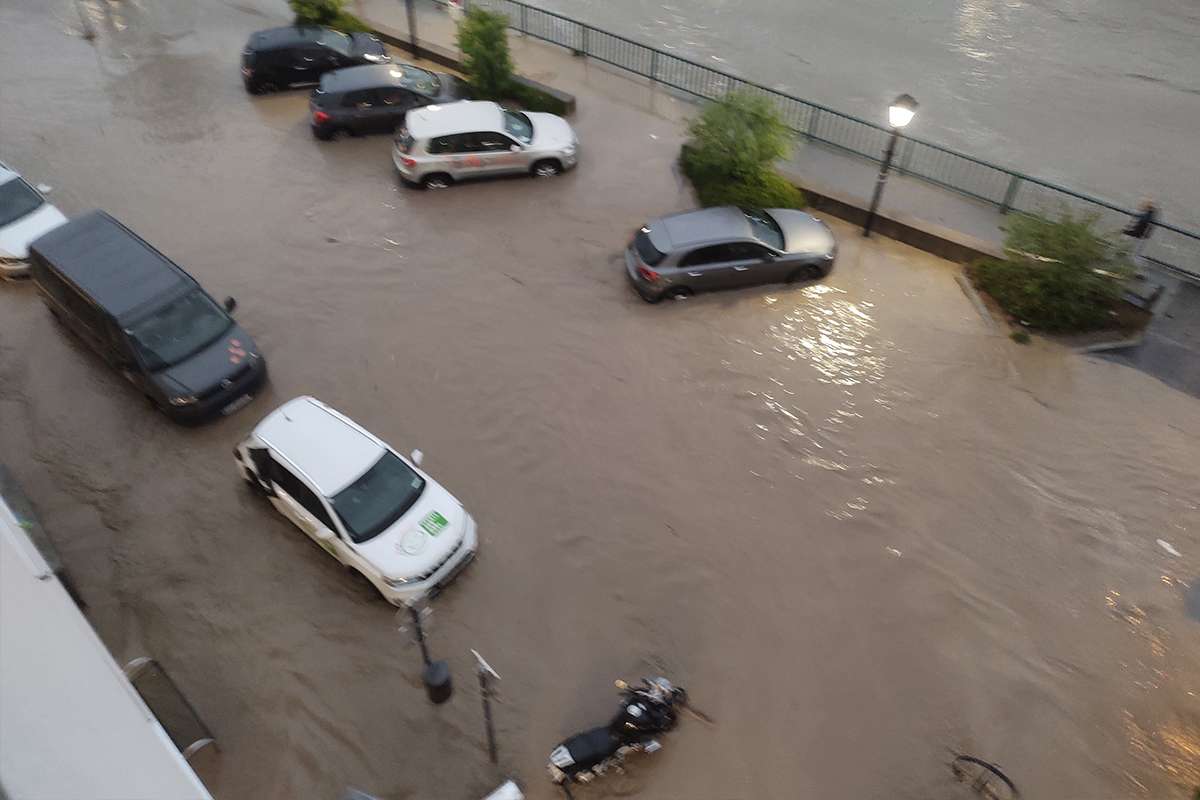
<point x="727" y="247"/>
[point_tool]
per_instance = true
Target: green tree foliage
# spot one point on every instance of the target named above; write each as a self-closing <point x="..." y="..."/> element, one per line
<point x="483" y="40"/>
<point x="330" y="13"/>
<point x="730" y="157"/>
<point x="739" y="137"/>
<point x="1059" y="275"/>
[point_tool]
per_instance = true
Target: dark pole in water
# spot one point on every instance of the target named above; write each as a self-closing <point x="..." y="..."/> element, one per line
<point x="419" y="632"/>
<point x="485" y="672"/>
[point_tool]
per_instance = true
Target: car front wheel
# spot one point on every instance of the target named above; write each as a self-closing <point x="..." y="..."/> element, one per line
<point x="438" y="180"/>
<point x="547" y="168"/>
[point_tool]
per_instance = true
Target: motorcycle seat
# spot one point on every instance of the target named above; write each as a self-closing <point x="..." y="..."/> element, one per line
<point x="591" y="747"/>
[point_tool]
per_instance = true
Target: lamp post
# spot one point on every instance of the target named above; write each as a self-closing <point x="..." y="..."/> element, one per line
<point x="436" y="674"/>
<point x="900" y="113"/>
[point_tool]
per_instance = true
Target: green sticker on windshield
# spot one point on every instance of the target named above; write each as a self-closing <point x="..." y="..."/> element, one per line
<point x="433" y="523"/>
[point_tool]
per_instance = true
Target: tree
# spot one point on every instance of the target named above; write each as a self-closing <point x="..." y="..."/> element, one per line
<point x="740" y="138"/>
<point x="483" y="40"/>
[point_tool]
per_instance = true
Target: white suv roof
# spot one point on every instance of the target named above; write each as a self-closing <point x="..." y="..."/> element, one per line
<point x="466" y="116"/>
<point x="327" y="447"/>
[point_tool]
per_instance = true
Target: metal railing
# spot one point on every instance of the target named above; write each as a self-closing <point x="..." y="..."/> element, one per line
<point x="1171" y="247"/>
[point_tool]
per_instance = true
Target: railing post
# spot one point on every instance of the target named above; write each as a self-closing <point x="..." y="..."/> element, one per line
<point x="1011" y="194"/>
<point x="906" y="157"/>
<point x="524" y="26"/>
<point x="583" y="41"/>
<point x="813" y="118"/>
<point x="654" y="66"/>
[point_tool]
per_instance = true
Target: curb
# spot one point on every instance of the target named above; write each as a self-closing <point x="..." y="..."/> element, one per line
<point x="1116" y="344"/>
<point x="964" y="283"/>
<point x="448" y="58"/>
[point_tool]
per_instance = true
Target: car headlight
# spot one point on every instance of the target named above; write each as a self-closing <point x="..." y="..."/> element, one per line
<point x="396" y="583"/>
<point x="183" y="400"/>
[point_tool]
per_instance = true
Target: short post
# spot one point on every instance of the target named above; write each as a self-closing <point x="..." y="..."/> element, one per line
<point x="411" y="11"/>
<point x="880" y="181"/>
<point x="1010" y="195"/>
<point x="435" y="674"/>
<point x="485" y="673"/>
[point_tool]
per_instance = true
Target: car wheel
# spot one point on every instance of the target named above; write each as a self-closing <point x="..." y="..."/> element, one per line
<point x="438" y="180"/>
<point x="263" y="87"/>
<point x="809" y="272"/>
<point x="679" y="293"/>
<point x="546" y="168"/>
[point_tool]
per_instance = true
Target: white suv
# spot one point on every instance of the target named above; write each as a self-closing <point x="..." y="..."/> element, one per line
<point x="24" y="216"/>
<point x="440" y="144"/>
<point x="368" y="506"/>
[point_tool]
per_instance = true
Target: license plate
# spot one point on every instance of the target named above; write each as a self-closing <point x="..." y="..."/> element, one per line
<point x="241" y="402"/>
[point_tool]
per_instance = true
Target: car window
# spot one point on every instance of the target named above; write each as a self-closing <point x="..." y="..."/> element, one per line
<point x="764" y="227"/>
<point x="743" y="251"/>
<point x="646" y="250"/>
<point x="394" y="97"/>
<point x="372" y="503"/>
<point x="336" y="41"/>
<point x="493" y="142"/>
<point x="362" y="98"/>
<point x="179" y="329"/>
<point x="713" y="254"/>
<point x="518" y="126"/>
<point x="295" y="489"/>
<point x="417" y="79"/>
<point x="444" y="144"/>
<point x="17" y="199"/>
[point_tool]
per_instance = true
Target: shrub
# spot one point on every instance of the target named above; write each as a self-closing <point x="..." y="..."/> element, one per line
<point x="740" y="137"/>
<point x="1059" y="275"/>
<point x="764" y="189"/>
<point x="330" y="13"/>
<point x="483" y="40"/>
<point x="533" y="99"/>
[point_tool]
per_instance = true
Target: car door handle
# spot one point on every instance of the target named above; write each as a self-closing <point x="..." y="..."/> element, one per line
<point x="695" y="274"/>
<point x="740" y="269"/>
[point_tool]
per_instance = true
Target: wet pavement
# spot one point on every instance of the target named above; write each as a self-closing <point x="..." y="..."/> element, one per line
<point x="859" y="525"/>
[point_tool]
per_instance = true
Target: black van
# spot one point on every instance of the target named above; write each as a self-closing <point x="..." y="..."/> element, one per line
<point x="374" y="99"/>
<point x="147" y="317"/>
<point x="300" y="54"/>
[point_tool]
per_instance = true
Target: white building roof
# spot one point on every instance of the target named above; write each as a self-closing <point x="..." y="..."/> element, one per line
<point x="71" y="725"/>
<point x="330" y="449"/>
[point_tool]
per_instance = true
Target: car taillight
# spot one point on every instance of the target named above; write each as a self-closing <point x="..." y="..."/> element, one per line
<point x="648" y="274"/>
<point x="408" y="162"/>
<point x="320" y="117"/>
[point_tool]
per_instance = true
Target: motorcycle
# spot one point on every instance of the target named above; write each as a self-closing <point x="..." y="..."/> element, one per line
<point x="646" y="710"/>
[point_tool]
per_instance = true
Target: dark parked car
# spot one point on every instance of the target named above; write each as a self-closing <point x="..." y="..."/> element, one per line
<point x="147" y="318"/>
<point x="374" y="99"/>
<point x="299" y="55"/>
<point x="726" y="247"/>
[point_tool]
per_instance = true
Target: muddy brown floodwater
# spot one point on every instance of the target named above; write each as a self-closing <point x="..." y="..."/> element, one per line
<point x="860" y="526"/>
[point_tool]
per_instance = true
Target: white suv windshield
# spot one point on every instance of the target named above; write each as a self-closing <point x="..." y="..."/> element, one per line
<point x="518" y="126"/>
<point x="372" y="503"/>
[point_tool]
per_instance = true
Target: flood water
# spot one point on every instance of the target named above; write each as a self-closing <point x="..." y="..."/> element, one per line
<point x="863" y="528"/>
<point x="1022" y="83"/>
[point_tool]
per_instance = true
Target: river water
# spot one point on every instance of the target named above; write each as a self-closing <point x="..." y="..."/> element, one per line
<point x="862" y="527"/>
<point x="1099" y="95"/>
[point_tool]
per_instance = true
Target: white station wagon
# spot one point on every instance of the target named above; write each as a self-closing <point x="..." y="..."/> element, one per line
<point x="369" y="507"/>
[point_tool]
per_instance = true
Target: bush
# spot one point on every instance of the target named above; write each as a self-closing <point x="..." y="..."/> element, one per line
<point x="483" y="40"/>
<point x="739" y="137"/>
<point x="531" y="98"/>
<point x="330" y="13"/>
<point x="1060" y="275"/>
<point x="764" y="189"/>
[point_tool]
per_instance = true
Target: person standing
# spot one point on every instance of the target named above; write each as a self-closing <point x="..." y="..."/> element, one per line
<point x="1140" y="228"/>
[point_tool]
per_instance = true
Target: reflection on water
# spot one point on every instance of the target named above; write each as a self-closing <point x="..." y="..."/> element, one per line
<point x="1172" y="747"/>
<point x="832" y="334"/>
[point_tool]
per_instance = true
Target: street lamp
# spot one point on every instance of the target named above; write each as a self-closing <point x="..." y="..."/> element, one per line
<point x="900" y="113"/>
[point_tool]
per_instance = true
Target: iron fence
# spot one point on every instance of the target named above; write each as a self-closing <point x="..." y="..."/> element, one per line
<point x="1171" y="247"/>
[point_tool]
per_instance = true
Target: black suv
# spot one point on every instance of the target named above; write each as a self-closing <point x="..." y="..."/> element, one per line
<point x="374" y="99"/>
<point x="300" y="54"/>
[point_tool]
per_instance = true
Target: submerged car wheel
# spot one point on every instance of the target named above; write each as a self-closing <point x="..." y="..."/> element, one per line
<point x="438" y="180"/>
<point x="547" y="168"/>
<point x="679" y="293"/>
<point x="809" y="272"/>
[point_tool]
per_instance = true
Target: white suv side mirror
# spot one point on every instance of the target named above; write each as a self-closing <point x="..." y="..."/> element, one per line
<point x="417" y="457"/>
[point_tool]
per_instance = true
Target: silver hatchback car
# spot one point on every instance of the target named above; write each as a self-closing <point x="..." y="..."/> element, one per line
<point x="727" y="247"/>
<point x="440" y="144"/>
